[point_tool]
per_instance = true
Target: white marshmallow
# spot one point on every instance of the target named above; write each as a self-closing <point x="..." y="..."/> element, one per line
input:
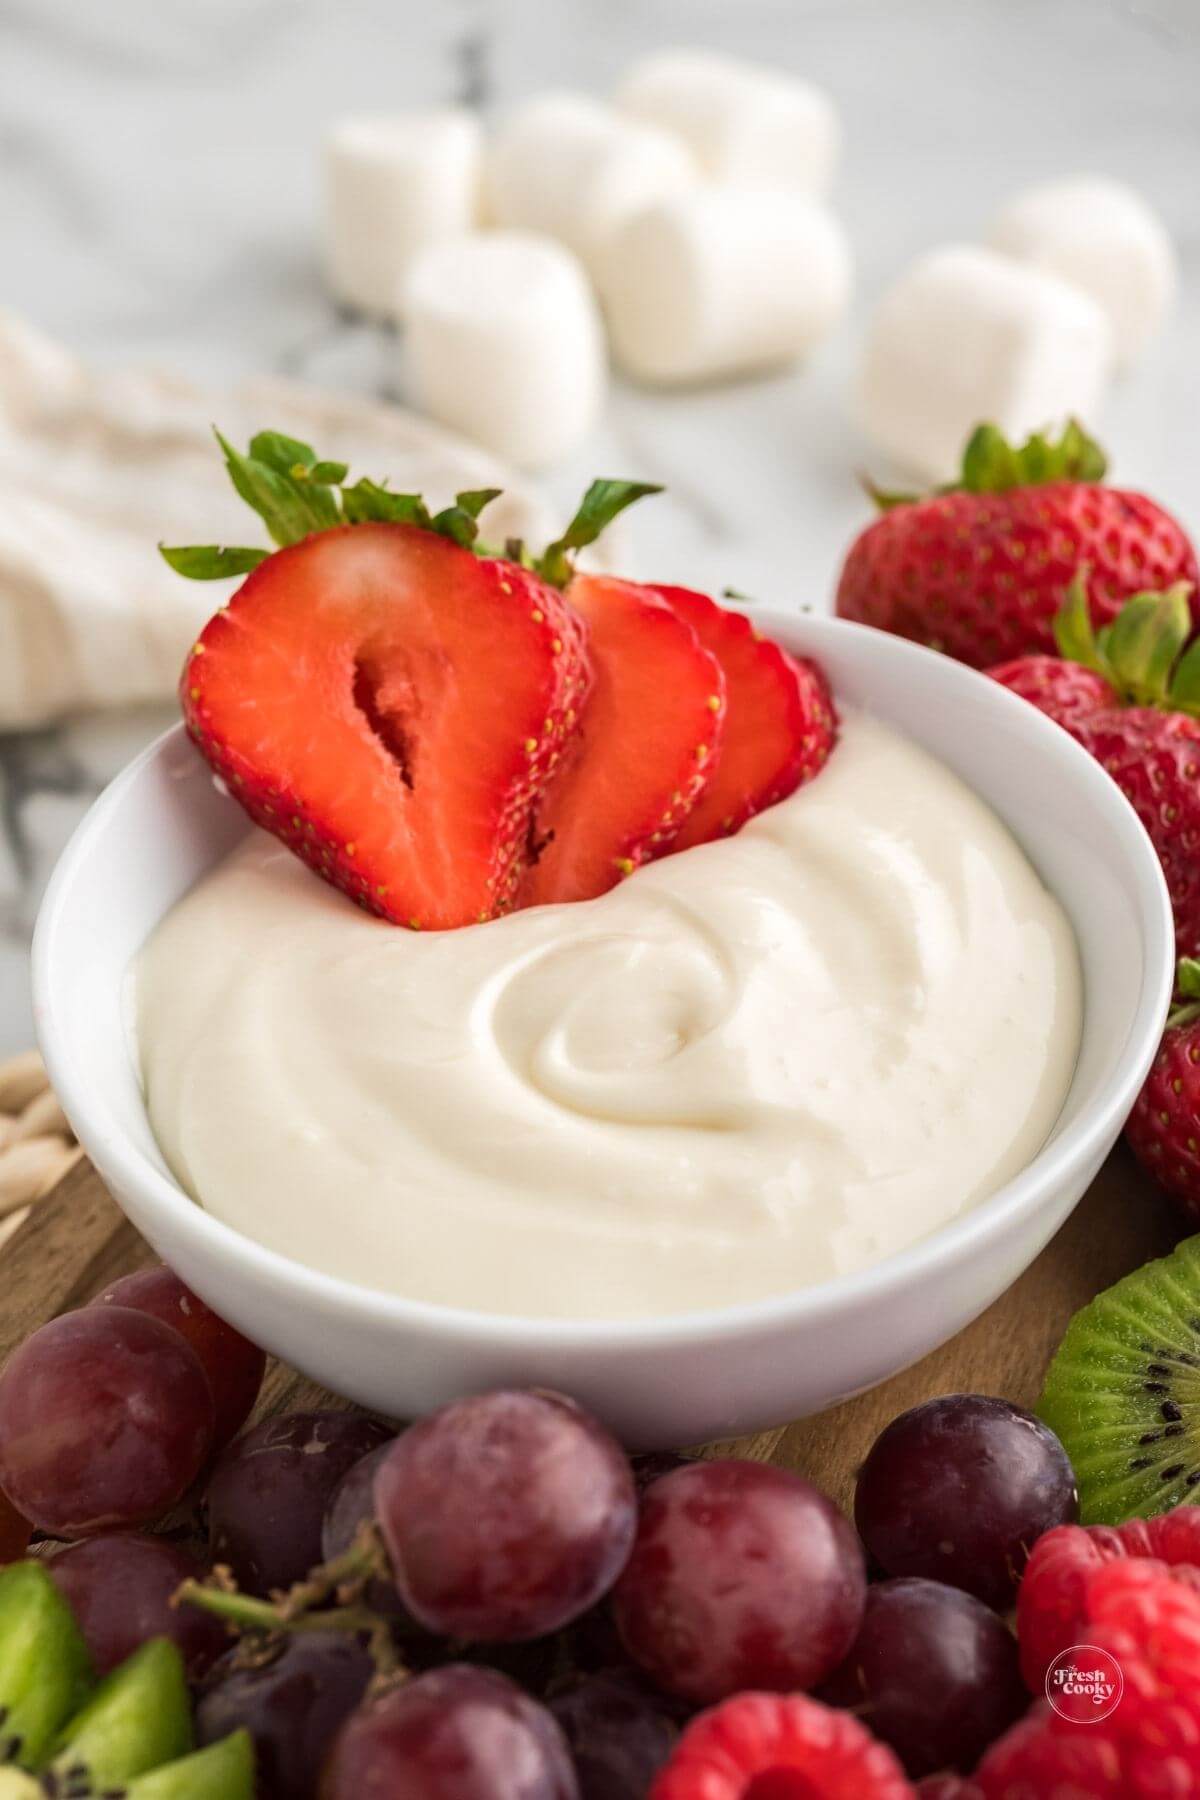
<point x="393" y="186"/>
<point x="572" y="168"/>
<point x="721" y="281"/>
<point x="967" y="335"/>
<point x="1101" y="235"/>
<point x="505" y="343"/>
<point x="740" y="122"/>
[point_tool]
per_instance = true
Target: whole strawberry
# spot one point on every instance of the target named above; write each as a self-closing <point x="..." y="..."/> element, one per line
<point x="978" y="569"/>
<point x="1130" y="694"/>
<point x="1163" y="1130"/>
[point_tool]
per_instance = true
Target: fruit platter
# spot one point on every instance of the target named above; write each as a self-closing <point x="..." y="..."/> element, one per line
<point x="635" y="1243"/>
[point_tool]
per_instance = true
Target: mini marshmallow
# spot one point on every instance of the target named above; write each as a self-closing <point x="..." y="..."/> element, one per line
<point x="721" y="281"/>
<point x="1102" y="236"/>
<point x="393" y="186"/>
<point x="505" y="343"/>
<point x="740" y="122"/>
<point x="968" y="335"/>
<point x="572" y="168"/>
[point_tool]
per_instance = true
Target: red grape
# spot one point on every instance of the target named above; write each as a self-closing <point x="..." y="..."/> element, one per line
<point x="457" y="1733"/>
<point x="959" y="1490"/>
<point x="106" y="1419"/>
<point x="505" y="1515"/>
<point x="119" y="1587"/>
<point x="15" y="1532"/>
<point x="352" y="1505"/>
<point x="619" y="1735"/>
<point x="233" y="1364"/>
<point x="293" y="1704"/>
<point x="743" y="1576"/>
<point x="933" y="1672"/>
<point x="268" y="1493"/>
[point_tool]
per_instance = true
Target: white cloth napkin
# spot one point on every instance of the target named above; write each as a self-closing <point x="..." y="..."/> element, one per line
<point x="97" y="469"/>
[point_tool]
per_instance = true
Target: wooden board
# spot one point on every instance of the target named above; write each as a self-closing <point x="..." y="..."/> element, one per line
<point x="76" y="1242"/>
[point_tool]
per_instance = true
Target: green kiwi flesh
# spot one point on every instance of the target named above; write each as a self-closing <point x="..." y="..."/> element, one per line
<point x="1123" y="1392"/>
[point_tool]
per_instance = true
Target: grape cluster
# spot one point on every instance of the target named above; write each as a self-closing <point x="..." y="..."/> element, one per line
<point x="496" y="1595"/>
<point x="108" y="1417"/>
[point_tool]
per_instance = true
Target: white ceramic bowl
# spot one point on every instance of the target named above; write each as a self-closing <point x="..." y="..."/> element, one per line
<point x="163" y="823"/>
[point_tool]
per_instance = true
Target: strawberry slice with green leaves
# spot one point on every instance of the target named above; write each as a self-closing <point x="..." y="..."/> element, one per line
<point x="779" y="724"/>
<point x="387" y="701"/>
<point x="442" y="733"/>
<point x="646" y="746"/>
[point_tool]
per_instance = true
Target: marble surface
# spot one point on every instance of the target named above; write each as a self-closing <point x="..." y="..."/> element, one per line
<point x="160" y="191"/>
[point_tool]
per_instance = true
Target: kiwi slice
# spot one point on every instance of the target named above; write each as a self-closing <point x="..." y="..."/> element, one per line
<point x="1123" y="1392"/>
<point x="45" y="1670"/>
<point x="225" y="1771"/>
<point x="138" y="1717"/>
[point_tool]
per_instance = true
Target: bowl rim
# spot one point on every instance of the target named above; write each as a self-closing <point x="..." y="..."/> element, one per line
<point x="1053" y="1166"/>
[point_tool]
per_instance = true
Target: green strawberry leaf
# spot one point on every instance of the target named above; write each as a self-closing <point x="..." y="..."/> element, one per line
<point x="460" y="522"/>
<point x="295" y="493"/>
<point x="1074" y="633"/>
<point x="280" y="452"/>
<point x="473" y="500"/>
<point x="366" y="501"/>
<point x="1080" y="457"/>
<point x="1185" y="1009"/>
<point x="990" y="464"/>
<point x="290" y="508"/>
<point x="1187" y="979"/>
<point x="1184" y="693"/>
<point x="993" y="465"/>
<point x="1145" y="641"/>
<point x="211" y="562"/>
<point x="887" y="499"/>
<point x="598" y="508"/>
<point x="1144" y="653"/>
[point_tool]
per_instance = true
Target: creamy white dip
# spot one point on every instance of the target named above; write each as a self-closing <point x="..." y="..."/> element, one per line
<point x="750" y="1067"/>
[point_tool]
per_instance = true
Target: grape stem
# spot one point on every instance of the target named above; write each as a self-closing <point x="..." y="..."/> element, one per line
<point x="343" y="1577"/>
<point x="244" y="1613"/>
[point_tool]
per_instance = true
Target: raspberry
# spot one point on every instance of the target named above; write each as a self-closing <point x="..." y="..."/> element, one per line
<point x="1033" y="1759"/>
<point x="1051" y="1604"/>
<point x="1148" y="1748"/>
<point x="948" y="1787"/>
<point x="776" y="1747"/>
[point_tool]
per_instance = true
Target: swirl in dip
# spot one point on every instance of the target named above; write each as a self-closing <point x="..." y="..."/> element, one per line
<point x="750" y="1067"/>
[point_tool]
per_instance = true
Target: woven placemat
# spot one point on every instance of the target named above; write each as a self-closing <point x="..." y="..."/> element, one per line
<point x="37" y="1146"/>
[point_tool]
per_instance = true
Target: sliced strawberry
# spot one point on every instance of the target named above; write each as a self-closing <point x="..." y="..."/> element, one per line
<point x="647" y="741"/>
<point x="780" y="723"/>
<point x="391" y="706"/>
